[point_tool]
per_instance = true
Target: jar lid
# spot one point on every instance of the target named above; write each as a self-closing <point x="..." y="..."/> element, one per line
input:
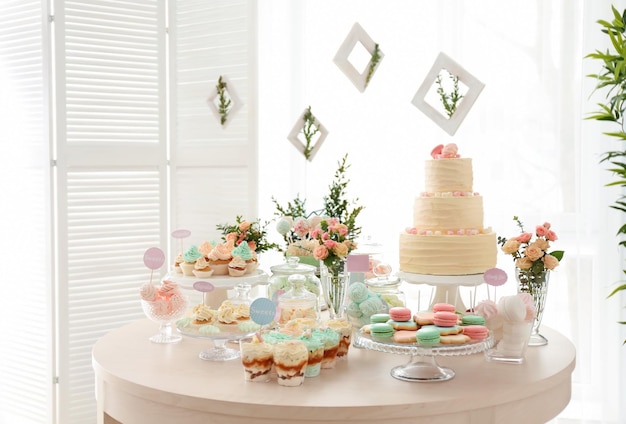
<point x="293" y="266"/>
<point x="383" y="278"/>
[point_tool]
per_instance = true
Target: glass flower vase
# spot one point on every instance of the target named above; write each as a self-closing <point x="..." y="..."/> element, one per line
<point x="335" y="280"/>
<point x="536" y="285"/>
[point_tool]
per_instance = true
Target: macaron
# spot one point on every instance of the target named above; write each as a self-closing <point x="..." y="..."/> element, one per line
<point x="445" y="319"/>
<point x="379" y="318"/>
<point x="476" y="332"/>
<point x="403" y="325"/>
<point x="428" y="336"/>
<point x="448" y="307"/>
<point x="400" y="313"/>
<point x="381" y="329"/>
<point x="405" y="336"/>
<point x="472" y="320"/>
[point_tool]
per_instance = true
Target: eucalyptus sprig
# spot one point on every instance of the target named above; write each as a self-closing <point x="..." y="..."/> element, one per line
<point x="309" y="130"/>
<point x="373" y="63"/>
<point x="224" y="101"/>
<point x="449" y="101"/>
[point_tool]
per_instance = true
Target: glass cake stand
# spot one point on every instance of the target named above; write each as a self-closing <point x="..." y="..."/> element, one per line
<point x="446" y="286"/>
<point x="423" y="366"/>
<point x="218" y="351"/>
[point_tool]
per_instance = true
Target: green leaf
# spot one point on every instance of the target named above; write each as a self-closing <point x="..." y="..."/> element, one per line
<point x="617" y="290"/>
<point x="558" y="254"/>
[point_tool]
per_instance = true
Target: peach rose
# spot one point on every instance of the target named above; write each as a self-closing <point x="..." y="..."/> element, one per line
<point x="533" y="252"/>
<point x="510" y="246"/>
<point x="320" y="252"/>
<point x="523" y="263"/>
<point x="252" y="245"/>
<point x="341" y="250"/>
<point x="547" y="225"/>
<point x="542" y="244"/>
<point x="244" y="226"/>
<point x="524" y="237"/>
<point x="550" y="262"/>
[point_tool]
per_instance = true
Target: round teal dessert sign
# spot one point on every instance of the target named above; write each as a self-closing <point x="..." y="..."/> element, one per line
<point x="262" y="311"/>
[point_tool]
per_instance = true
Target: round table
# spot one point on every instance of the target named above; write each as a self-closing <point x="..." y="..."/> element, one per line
<point x="139" y="382"/>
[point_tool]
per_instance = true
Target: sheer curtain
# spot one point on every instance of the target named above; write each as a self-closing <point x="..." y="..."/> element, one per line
<point x="534" y="156"/>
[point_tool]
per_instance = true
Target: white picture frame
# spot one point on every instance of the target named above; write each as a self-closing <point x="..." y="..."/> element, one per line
<point x="236" y="103"/>
<point x="449" y="125"/>
<point x="358" y="35"/>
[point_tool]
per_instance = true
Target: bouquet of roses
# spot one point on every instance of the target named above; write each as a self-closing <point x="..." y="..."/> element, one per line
<point x="333" y="241"/>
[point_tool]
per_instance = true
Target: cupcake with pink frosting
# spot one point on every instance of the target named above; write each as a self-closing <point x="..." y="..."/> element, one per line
<point x="219" y="257"/>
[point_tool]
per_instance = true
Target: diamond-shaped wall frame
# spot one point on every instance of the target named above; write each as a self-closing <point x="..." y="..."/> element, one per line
<point x="449" y="125"/>
<point x="297" y="141"/>
<point x="235" y="105"/>
<point x="360" y="79"/>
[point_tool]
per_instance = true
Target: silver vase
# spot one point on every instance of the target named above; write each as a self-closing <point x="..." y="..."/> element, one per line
<point x="535" y="284"/>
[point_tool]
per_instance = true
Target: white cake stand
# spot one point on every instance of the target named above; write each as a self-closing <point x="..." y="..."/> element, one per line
<point x="446" y="286"/>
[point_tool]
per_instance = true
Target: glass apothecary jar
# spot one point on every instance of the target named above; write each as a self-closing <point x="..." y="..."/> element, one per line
<point x="298" y="302"/>
<point x="278" y="284"/>
<point x="387" y="286"/>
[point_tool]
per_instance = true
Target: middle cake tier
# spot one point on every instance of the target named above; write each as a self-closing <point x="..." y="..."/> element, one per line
<point x="448" y="213"/>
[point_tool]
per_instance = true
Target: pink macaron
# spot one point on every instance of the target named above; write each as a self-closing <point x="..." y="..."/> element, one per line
<point x="476" y="331"/>
<point x="445" y="319"/>
<point x="448" y="307"/>
<point x="400" y="313"/>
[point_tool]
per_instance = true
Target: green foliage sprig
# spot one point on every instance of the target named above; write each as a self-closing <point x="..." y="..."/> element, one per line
<point x="612" y="77"/>
<point x="449" y="101"/>
<point x="224" y="101"/>
<point x="248" y="231"/>
<point x="373" y="63"/>
<point x="336" y="203"/>
<point x="309" y="130"/>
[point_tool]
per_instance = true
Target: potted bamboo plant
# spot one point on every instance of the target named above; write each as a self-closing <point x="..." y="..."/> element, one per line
<point x="612" y="80"/>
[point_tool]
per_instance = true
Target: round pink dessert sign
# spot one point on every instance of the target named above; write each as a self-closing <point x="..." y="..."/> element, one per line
<point x="181" y="234"/>
<point x="203" y="286"/>
<point x="495" y="277"/>
<point x="154" y="258"/>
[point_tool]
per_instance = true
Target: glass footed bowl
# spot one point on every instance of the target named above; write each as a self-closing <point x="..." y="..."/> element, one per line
<point x="219" y="334"/>
<point x="165" y="312"/>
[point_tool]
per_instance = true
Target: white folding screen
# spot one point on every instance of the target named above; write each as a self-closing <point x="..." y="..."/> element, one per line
<point x="214" y="166"/>
<point x="26" y="350"/>
<point x="111" y="145"/>
<point x="113" y="167"/>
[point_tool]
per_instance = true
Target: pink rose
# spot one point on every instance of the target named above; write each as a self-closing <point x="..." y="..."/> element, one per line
<point x="332" y="222"/>
<point x="511" y="246"/>
<point x="533" y="252"/>
<point x="244" y="226"/>
<point x="330" y="244"/>
<point x="547" y="225"/>
<point x="541" y="231"/>
<point x="524" y="237"/>
<point x="450" y="151"/>
<point x="550" y="262"/>
<point x="342" y="229"/>
<point x="551" y="236"/>
<point x="252" y="245"/>
<point x="315" y="233"/>
<point x="320" y="252"/>
<point x="325" y="236"/>
<point x="523" y="263"/>
<point x="411" y="230"/>
<point x="436" y="152"/>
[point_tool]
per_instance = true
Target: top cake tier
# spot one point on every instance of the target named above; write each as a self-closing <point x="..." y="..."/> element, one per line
<point x="449" y="175"/>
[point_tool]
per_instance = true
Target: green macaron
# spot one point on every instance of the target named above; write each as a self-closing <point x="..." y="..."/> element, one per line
<point x="472" y="320"/>
<point x="381" y="329"/>
<point x="428" y="336"/>
<point x="376" y="318"/>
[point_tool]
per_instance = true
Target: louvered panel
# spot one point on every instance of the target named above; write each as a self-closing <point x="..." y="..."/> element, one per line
<point x="113" y="216"/>
<point x="26" y="366"/>
<point x="111" y="59"/>
<point x="211" y="40"/>
<point x="199" y="212"/>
